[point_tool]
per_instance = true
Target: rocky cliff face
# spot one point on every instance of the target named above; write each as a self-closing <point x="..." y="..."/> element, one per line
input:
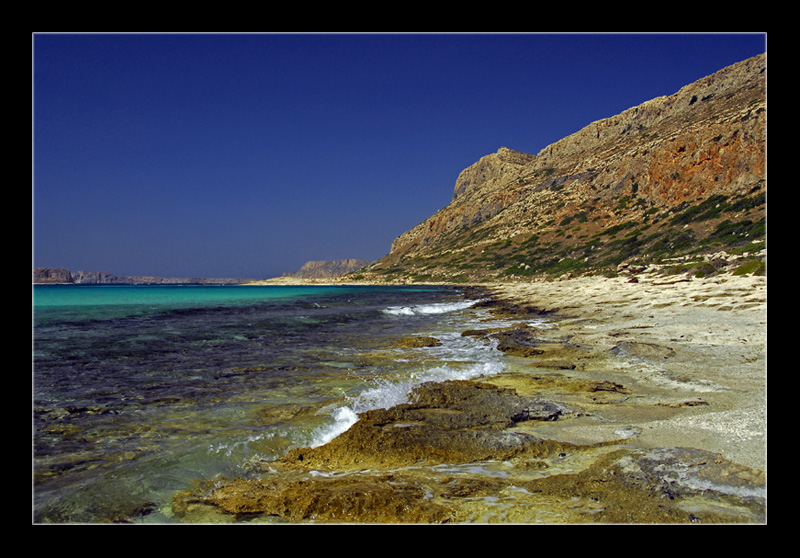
<point x="327" y="269"/>
<point x="677" y="174"/>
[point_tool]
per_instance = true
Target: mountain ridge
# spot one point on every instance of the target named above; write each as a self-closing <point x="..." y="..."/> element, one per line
<point x="675" y="175"/>
<point x="678" y="177"/>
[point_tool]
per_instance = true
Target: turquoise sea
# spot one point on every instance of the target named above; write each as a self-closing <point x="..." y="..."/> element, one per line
<point x="140" y="390"/>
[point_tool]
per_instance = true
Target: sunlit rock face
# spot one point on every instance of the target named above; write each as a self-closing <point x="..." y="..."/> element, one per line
<point x="648" y="171"/>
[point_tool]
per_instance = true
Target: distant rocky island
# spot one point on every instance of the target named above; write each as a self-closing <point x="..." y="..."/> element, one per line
<point x="47" y="275"/>
<point x="312" y="270"/>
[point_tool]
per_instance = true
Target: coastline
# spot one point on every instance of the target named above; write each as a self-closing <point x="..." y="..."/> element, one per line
<point x="694" y="348"/>
<point x="636" y="401"/>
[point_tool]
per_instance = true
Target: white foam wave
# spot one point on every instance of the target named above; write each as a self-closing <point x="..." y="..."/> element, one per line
<point x="457" y="358"/>
<point x="343" y="419"/>
<point x="427" y="309"/>
<point x="465" y="360"/>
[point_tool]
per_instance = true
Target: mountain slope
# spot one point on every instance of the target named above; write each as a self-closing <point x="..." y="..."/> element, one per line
<point x="676" y="175"/>
<point x="327" y="269"/>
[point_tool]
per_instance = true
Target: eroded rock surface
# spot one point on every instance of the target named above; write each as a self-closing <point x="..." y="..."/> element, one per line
<point x="659" y="486"/>
<point x="360" y="498"/>
<point x="401" y="465"/>
<point x="450" y="422"/>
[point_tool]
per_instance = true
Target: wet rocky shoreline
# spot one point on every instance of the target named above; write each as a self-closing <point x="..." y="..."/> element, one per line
<point x="558" y="438"/>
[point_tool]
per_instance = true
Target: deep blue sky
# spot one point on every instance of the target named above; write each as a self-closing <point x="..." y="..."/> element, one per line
<point x="222" y="155"/>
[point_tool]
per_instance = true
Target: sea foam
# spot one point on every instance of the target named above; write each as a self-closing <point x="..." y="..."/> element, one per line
<point x="458" y="358"/>
<point x="426" y="309"/>
<point x="387" y="393"/>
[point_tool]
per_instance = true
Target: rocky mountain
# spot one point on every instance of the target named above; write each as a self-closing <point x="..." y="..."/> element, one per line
<point x="675" y="176"/>
<point x="327" y="269"/>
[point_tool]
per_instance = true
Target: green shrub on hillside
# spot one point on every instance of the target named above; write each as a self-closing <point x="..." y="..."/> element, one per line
<point x="752" y="267"/>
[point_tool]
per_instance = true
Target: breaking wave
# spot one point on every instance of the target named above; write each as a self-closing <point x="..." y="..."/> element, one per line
<point x="387" y="393"/>
<point x="457" y="358"/>
<point x="428" y="309"/>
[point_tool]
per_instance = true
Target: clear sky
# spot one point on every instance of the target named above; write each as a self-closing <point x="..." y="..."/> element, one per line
<point x="246" y="155"/>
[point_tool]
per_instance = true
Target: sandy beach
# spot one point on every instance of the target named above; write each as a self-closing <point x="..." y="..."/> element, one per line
<point x="690" y="353"/>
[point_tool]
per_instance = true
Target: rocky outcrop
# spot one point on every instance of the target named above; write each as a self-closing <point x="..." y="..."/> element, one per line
<point x="671" y="175"/>
<point x="449" y="422"/>
<point x="492" y="172"/>
<point x="51" y="275"/>
<point x="98" y="278"/>
<point x="327" y="269"/>
<point x="401" y="465"/>
<point x="478" y="195"/>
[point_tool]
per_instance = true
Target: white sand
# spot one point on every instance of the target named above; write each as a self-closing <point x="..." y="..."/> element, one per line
<point x="708" y="338"/>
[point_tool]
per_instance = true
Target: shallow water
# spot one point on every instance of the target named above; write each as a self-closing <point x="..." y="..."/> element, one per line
<point x="139" y="390"/>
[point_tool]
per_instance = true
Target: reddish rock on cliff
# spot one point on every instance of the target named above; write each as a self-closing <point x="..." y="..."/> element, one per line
<point x="637" y="170"/>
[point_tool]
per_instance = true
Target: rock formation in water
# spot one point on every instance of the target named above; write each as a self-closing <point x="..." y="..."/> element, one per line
<point x="675" y="175"/>
<point x="375" y="472"/>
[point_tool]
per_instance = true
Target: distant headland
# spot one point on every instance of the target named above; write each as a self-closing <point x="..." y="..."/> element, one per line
<point x="312" y="270"/>
<point x="48" y="275"/>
